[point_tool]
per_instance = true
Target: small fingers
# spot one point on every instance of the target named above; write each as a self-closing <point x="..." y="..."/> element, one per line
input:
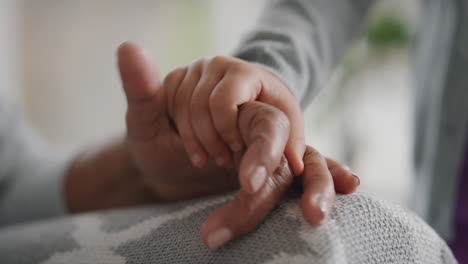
<point x="202" y="121"/>
<point x="319" y="194"/>
<point x="180" y="86"/>
<point x="171" y="85"/>
<point x="237" y="87"/>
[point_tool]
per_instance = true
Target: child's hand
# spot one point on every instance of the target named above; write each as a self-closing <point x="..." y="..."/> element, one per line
<point x="203" y="100"/>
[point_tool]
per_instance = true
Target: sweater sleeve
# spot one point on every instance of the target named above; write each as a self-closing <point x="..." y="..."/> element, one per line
<point x="300" y="41"/>
<point x="30" y="173"/>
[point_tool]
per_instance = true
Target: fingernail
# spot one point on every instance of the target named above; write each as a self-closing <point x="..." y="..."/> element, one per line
<point x="258" y="177"/>
<point x="219" y="237"/>
<point x="197" y="160"/>
<point x="358" y="181"/>
<point x="323" y="205"/>
<point x="347" y="168"/>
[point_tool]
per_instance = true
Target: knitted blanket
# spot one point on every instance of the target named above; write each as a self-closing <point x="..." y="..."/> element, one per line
<point x="361" y="230"/>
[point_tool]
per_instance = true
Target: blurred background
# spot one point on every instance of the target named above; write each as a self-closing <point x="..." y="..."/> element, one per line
<point x="57" y="62"/>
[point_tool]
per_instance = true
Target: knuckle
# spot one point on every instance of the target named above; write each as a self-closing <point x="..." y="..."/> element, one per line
<point x="218" y="61"/>
<point x="283" y="168"/>
<point x="268" y="116"/>
<point x="282" y="179"/>
<point x="204" y="60"/>
<point x="239" y="68"/>
<point x="174" y="77"/>
<point x="312" y="156"/>
<point x="312" y="152"/>
<point x="262" y="138"/>
<point x="282" y="176"/>
<point x="200" y="62"/>
<point x="281" y="119"/>
<point x="315" y="178"/>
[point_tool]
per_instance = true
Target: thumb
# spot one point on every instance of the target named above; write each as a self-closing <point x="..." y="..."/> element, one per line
<point x="138" y="72"/>
<point x="141" y="84"/>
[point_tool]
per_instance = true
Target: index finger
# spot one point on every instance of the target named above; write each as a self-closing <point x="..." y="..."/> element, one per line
<point x="265" y="130"/>
<point x="285" y="101"/>
<point x="319" y="193"/>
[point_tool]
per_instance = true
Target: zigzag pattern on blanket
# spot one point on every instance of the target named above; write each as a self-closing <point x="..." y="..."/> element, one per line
<point x="361" y="230"/>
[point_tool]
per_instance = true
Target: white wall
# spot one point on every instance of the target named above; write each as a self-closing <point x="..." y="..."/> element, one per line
<point x="9" y="53"/>
<point x="70" y="82"/>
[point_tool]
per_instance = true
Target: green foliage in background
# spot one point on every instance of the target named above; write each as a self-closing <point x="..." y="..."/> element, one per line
<point x="384" y="32"/>
<point x="387" y="31"/>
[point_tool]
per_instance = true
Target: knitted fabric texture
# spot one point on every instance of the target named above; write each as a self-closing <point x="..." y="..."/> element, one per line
<point x="361" y="230"/>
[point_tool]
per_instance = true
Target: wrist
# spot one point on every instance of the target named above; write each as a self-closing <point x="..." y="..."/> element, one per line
<point x="105" y="177"/>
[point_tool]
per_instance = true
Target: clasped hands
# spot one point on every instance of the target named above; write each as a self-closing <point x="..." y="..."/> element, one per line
<point x="218" y="125"/>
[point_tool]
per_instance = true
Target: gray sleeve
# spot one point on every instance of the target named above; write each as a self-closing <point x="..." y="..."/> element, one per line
<point x="30" y="173"/>
<point x="300" y="41"/>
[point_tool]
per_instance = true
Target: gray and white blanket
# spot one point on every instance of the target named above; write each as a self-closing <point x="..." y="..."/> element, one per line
<point x="361" y="230"/>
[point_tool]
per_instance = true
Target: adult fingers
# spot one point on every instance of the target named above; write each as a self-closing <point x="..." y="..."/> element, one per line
<point x="243" y="83"/>
<point x="319" y="194"/>
<point x="345" y="181"/>
<point x="265" y="130"/>
<point x="274" y="92"/>
<point x="141" y="83"/>
<point x="243" y="214"/>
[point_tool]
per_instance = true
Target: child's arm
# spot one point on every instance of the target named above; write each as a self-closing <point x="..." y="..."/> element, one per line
<point x="300" y="41"/>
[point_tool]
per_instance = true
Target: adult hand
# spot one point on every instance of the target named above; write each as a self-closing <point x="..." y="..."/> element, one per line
<point x="158" y="153"/>
<point x="265" y="129"/>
